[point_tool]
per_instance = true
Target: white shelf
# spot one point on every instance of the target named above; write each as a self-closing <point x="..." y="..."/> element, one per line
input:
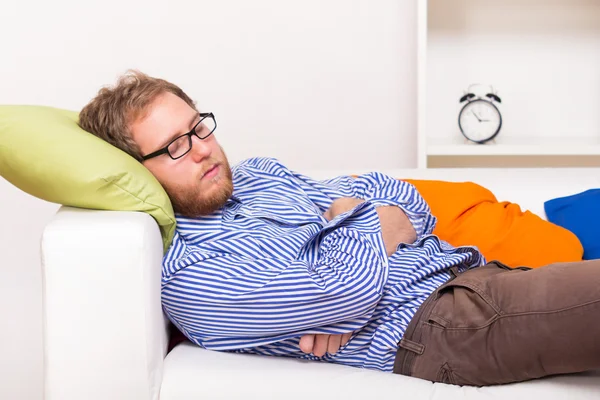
<point x="542" y="59"/>
<point x="511" y="146"/>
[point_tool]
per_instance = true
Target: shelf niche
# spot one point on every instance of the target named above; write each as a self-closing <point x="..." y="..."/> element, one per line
<point x="542" y="58"/>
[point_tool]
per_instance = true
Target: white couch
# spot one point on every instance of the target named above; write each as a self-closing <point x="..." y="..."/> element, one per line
<point x="105" y="334"/>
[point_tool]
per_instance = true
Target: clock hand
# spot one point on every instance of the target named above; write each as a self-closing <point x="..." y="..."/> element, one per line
<point x="473" y="112"/>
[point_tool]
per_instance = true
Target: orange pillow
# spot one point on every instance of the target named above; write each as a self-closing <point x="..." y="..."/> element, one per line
<point x="469" y="214"/>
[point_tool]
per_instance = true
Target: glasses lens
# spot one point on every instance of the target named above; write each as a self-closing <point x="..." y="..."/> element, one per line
<point x="179" y="147"/>
<point x="206" y="127"/>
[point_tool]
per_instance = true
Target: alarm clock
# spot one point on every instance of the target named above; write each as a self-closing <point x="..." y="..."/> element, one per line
<point x="479" y="119"/>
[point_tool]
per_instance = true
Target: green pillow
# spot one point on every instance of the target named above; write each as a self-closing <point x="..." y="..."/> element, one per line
<point x="46" y="154"/>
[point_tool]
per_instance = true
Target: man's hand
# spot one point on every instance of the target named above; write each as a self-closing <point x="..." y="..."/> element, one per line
<point x="396" y="228"/>
<point x="322" y="343"/>
<point x="340" y="206"/>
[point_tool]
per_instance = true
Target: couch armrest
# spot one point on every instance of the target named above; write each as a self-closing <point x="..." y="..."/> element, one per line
<point x="105" y="335"/>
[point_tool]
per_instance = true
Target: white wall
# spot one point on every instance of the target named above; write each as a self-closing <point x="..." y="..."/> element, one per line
<point x="316" y="83"/>
<point x="23" y="219"/>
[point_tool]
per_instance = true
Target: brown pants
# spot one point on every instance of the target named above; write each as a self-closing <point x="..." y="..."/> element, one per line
<point x="494" y="325"/>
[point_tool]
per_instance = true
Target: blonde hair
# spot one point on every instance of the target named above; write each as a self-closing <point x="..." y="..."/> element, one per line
<point x="110" y="114"/>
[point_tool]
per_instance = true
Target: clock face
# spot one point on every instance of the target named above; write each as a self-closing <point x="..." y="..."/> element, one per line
<point x="480" y="120"/>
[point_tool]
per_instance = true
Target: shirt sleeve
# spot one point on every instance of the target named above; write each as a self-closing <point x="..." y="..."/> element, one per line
<point x="379" y="190"/>
<point x="383" y="190"/>
<point x="224" y="300"/>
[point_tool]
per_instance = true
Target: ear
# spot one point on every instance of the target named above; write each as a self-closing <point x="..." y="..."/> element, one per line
<point x="493" y="97"/>
<point x="467" y="96"/>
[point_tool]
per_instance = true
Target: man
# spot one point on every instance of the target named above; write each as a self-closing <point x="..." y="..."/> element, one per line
<point x="346" y="270"/>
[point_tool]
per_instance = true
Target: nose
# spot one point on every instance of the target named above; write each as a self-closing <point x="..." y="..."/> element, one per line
<point x="201" y="149"/>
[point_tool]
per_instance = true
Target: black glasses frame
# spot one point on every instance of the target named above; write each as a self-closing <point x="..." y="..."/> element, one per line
<point x="165" y="150"/>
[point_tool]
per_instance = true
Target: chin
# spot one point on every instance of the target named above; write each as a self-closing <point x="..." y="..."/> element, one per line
<point x="202" y="201"/>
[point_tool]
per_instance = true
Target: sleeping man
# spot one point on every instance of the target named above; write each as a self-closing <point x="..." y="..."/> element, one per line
<point x="268" y="261"/>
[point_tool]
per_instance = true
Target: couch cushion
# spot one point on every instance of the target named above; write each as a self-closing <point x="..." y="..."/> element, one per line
<point x="194" y="373"/>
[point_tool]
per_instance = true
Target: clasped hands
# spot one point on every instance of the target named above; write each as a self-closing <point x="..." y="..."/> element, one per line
<point x="396" y="228"/>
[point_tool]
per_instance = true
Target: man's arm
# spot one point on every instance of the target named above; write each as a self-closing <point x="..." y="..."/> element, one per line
<point x="380" y="190"/>
<point x="225" y="300"/>
<point x="377" y="188"/>
<point x="383" y="190"/>
<point x="396" y="228"/>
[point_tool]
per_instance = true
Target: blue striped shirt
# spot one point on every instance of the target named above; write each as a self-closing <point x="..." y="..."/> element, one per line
<point x="267" y="268"/>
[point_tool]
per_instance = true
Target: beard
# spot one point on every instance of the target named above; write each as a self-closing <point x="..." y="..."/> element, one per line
<point x="193" y="202"/>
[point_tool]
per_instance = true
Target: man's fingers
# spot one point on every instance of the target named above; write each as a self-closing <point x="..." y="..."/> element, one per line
<point x="341" y="205"/>
<point x="322" y="343"/>
<point x="307" y="343"/>
<point x="320" y="347"/>
<point x="345" y="338"/>
<point x="334" y="344"/>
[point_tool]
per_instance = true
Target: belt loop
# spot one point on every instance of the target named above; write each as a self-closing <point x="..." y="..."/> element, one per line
<point x="454" y="271"/>
<point x="412" y="346"/>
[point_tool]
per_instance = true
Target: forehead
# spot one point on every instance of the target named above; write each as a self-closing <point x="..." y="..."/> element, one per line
<point x="166" y="116"/>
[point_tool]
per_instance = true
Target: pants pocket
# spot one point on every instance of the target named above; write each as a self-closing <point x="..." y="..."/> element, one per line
<point x="462" y="304"/>
<point x="506" y="267"/>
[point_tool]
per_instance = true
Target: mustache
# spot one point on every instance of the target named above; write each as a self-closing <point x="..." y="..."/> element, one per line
<point x="208" y="165"/>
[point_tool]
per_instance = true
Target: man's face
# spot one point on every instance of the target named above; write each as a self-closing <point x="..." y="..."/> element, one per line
<point x="199" y="182"/>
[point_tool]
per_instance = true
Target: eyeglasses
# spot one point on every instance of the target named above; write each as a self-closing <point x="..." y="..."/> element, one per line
<point x="181" y="145"/>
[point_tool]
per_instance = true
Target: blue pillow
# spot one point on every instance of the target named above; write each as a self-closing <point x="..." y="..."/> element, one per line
<point x="579" y="213"/>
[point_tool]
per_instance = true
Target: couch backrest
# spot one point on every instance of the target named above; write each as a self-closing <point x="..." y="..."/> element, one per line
<point x="528" y="187"/>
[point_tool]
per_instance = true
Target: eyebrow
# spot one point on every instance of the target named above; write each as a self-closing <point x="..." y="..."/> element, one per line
<point x="176" y="134"/>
